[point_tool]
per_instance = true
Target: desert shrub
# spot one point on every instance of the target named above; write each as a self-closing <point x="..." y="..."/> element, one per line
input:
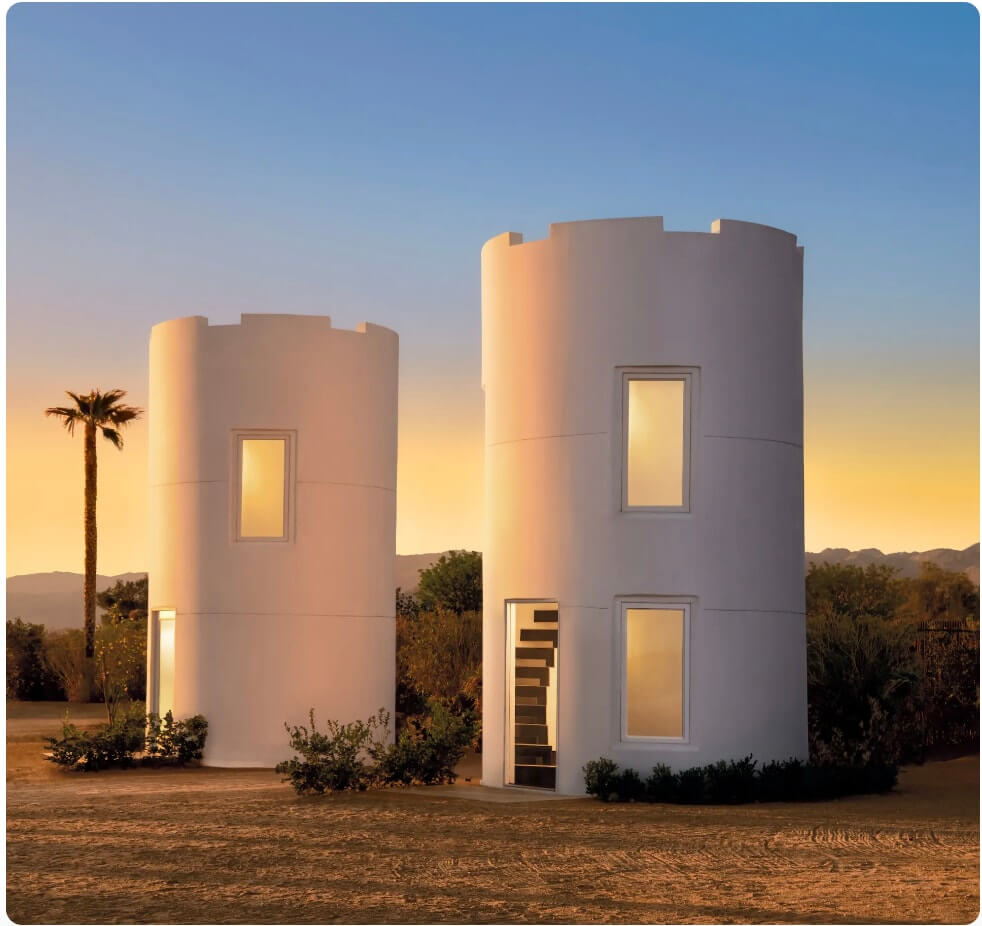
<point x="599" y="776"/>
<point x="948" y="695"/>
<point x="134" y="738"/>
<point x="853" y="591"/>
<point x="64" y="658"/>
<point x="861" y="684"/>
<point x="781" y="781"/>
<point x="105" y="747"/>
<point x="893" y="663"/>
<point x="406" y="604"/>
<point x="177" y="742"/>
<point x="340" y="759"/>
<point x="661" y="785"/>
<point x="731" y="782"/>
<point x="453" y="583"/>
<point x="428" y="749"/>
<point x="737" y="782"/>
<point x="439" y="656"/>
<point x="28" y="678"/>
<point x="357" y="756"/>
<point x="628" y="786"/>
<point x="124" y="601"/>
<point x="938" y="594"/>
<point x="691" y="786"/>
<point x="121" y="663"/>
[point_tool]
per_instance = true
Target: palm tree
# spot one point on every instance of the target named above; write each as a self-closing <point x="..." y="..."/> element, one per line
<point x="96" y="411"/>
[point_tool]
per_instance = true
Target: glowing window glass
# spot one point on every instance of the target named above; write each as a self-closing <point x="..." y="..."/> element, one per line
<point x="166" y="621"/>
<point x="654" y="673"/>
<point x="657" y="438"/>
<point x="262" y="487"/>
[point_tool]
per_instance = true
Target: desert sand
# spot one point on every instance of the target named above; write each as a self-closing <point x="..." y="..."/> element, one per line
<point x="207" y="845"/>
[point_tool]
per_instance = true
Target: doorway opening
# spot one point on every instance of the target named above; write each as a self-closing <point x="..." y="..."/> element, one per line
<point x="532" y="669"/>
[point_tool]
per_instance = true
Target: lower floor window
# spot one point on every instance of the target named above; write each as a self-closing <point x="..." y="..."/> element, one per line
<point x="655" y="654"/>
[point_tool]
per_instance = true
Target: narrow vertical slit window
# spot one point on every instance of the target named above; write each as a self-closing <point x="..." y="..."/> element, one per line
<point x="263" y="480"/>
<point x="655" y="674"/>
<point x="163" y="693"/>
<point x="656" y="412"/>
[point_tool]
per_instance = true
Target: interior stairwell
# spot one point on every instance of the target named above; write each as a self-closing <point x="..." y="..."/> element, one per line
<point x="536" y="648"/>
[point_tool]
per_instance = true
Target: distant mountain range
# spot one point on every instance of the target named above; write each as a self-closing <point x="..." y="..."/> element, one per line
<point x="55" y="598"/>
<point x="906" y="564"/>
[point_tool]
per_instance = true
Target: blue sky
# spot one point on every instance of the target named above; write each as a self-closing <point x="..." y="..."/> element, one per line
<point x="168" y="160"/>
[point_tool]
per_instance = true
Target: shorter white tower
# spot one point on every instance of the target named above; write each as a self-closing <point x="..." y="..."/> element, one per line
<point x="644" y="553"/>
<point x="272" y="511"/>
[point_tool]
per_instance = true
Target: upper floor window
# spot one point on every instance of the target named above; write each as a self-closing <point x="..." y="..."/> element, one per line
<point x="656" y="415"/>
<point x="264" y="466"/>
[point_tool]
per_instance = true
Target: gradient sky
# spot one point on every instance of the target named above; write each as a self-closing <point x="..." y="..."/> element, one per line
<point x="170" y="160"/>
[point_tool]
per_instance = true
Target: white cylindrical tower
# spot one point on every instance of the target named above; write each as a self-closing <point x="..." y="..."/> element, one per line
<point x="272" y="511"/>
<point x="644" y="551"/>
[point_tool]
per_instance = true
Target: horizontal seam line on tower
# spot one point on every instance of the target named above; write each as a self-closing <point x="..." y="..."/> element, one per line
<point x="354" y="485"/>
<point x="754" y="611"/>
<point x="318" y="482"/>
<point x="766" y="440"/>
<point x="384" y="617"/>
<point x="517" y="440"/>
<point x="188" y="482"/>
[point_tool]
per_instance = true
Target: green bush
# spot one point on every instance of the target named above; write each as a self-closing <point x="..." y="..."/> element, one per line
<point x="737" y="782"/>
<point x="438" y="656"/>
<point x="660" y="786"/>
<point x="731" y="782"/>
<point x="599" y="776"/>
<point x="630" y="787"/>
<point x="428" y="749"/>
<point x="357" y="756"/>
<point x="177" y="742"/>
<point x="453" y="583"/>
<point x="28" y="677"/>
<point x="341" y="759"/>
<point x="691" y="786"/>
<point x="781" y="781"/>
<point x="893" y="663"/>
<point x="105" y="747"/>
<point x="861" y="682"/>
<point x="132" y="739"/>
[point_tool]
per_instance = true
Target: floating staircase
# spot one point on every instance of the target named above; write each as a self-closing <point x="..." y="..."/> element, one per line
<point x="535" y="655"/>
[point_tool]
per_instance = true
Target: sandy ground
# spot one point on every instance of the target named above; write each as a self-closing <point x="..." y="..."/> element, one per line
<point x="209" y="845"/>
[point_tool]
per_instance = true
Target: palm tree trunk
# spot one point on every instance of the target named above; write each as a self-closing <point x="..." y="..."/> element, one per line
<point x="88" y="592"/>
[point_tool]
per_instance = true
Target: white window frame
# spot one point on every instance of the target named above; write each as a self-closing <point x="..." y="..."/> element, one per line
<point x="289" y="483"/>
<point x="687" y="376"/>
<point x="654" y="604"/>
<point x="153" y="682"/>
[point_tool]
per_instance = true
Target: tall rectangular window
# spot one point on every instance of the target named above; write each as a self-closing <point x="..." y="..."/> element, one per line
<point x="263" y="481"/>
<point x="163" y="689"/>
<point x="655" y="640"/>
<point x="656" y="413"/>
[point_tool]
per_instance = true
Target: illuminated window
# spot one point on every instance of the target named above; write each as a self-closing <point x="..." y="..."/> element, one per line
<point x="656" y="415"/>
<point x="655" y="641"/>
<point x="163" y="688"/>
<point x="264" y="480"/>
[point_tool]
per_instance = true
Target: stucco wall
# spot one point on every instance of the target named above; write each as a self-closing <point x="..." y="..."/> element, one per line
<point x="267" y="630"/>
<point x="560" y="317"/>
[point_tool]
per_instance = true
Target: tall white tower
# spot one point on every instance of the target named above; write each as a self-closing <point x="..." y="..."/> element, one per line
<point x="644" y="552"/>
<point x="272" y="511"/>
